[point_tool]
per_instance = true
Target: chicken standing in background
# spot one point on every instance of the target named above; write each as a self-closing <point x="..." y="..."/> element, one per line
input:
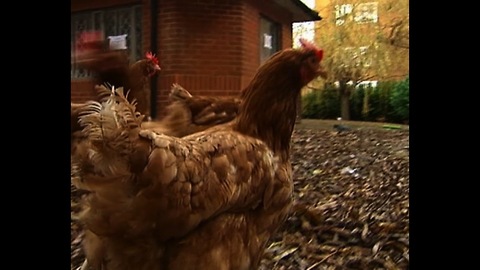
<point x="112" y="67"/>
<point x="210" y="200"/>
<point x="206" y="110"/>
<point x="187" y="114"/>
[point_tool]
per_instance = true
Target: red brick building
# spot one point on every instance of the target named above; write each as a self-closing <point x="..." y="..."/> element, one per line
<point x="211" y="47"/>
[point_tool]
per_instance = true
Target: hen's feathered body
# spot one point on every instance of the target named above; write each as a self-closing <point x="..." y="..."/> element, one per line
<point x="188" y="114"/>
<point x="114" y="67"/>
<point x="206" y="110"/>
<point x="210" y="200"/>
<point x="75" y="109"/>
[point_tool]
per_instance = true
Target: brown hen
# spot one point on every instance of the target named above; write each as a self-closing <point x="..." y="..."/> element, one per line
<point x="210" y="200"/>
<point x="113" y="67"/>
<point x="187" y="114"/>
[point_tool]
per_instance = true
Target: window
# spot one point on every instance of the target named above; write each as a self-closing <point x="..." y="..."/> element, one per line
<point x="365" y="59"/>
<point x="366" y="13"/>
<point x="359" y="84"/>
<point x="341" y="12"/>
<point x="114" y="22"/>
<point x="363" y="13"/>
<point x="269" y="39"/>
<point x="358" y="56"/>
<point x="367" y="84"/>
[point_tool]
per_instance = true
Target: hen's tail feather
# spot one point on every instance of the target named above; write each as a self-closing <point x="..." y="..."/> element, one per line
<point x="109" y="126"/>
<point x="104" y="92"/>
<point x="103" y="120"/>
<point x="177" y="92"/>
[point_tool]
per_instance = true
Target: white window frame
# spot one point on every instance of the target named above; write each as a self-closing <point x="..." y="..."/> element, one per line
<point x="364" y="83"/>
<point x="367" y="61"/>
<point x="360" y="54"/>
<point x="366" y="12"/>
<point x="341" y="11"/>
<point x="363" y="13"/>
<point x="113" y="22"/>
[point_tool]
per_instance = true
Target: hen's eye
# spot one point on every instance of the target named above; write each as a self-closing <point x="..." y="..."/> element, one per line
<point x="312" y="60"/>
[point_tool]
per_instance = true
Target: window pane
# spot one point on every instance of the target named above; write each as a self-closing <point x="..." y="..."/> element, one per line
<point x="113" y="22"/>
<point x="269" y="39"/>
<point x="366" y="12"/>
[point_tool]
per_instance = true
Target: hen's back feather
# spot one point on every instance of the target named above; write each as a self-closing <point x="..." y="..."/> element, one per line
<point x="206" y="110"/>
<point x="215" y="177"/>
<point x="210" y="200"/>
<point x="188" y="114"/>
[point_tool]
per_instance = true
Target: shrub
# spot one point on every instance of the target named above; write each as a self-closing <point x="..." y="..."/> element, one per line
<point x="380" y="101"/>
<point x="311" y="104"/>
<point x="321" y="104"/>
<point x="400" y="102"/>
<point x="387" y="102"/>
<point x="356" y="104"/>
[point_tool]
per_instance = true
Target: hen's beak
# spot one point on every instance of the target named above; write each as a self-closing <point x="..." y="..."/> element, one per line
<point x="322" y="73"/>
<point x="156" y="67"/>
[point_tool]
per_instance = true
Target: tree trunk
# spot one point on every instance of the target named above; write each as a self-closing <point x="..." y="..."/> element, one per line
<point x="366" y="104"/>
<point x="299" y="110"/>
<point x="345" y="107"/>
<point x="344" y="101"/>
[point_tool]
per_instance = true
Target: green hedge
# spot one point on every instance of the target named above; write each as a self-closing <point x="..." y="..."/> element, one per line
<point x="321" y="104"/>
<point x="387" y="102"/>
<point x="400" y="102"/>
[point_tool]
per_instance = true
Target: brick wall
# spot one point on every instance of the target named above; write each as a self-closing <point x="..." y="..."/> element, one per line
<point x="81" y="90"/>
<point x="209" y="47"/>
<point x="81" y="5"/>
<point x="200" y="47"/>
<point x="212" y="48"/>
<point x="253" y="10"/>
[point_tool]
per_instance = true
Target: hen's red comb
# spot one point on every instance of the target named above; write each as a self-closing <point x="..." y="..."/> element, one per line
<point x="151" y="57"/>
<point x="88" y="36"/>
<point x="310" y="46"/>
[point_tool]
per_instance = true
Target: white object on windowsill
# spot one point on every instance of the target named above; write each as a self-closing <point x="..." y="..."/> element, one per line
<point x="118" y="42"/>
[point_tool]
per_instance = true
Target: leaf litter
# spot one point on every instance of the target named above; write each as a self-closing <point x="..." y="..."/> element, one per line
<point x="351" y="207"/>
